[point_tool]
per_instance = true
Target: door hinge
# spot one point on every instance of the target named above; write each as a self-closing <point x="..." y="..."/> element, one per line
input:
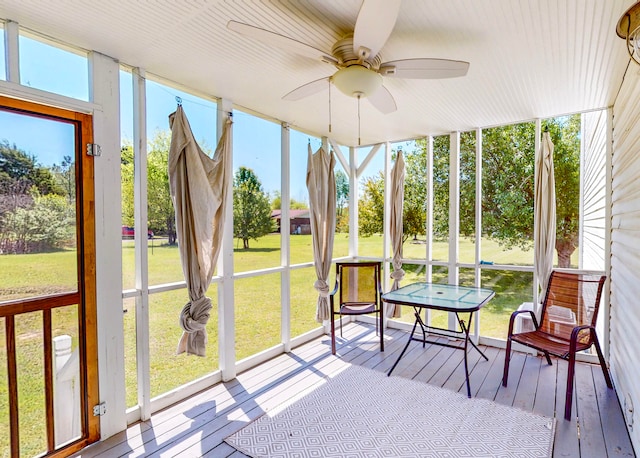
<point x="100" y="409"/>
<point x="93" y="149"/>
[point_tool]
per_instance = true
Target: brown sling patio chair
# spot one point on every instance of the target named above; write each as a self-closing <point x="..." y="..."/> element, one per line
<point x="567" y="324"/>
<point x="357" y="292"/>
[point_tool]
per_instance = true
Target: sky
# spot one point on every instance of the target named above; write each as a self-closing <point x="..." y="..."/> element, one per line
<point x="256" y="141"/>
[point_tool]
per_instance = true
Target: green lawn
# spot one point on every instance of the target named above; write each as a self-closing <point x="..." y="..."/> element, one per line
<point x="257" y="311"/>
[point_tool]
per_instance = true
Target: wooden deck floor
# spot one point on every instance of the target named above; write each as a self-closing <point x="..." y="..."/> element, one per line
<point x="197" y="426"/>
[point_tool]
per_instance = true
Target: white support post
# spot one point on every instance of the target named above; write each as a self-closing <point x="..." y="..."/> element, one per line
<point x="537" y="143"/>
<point x="353" y="202"/>
<point x="140" y="238"/>
<point x="478" y="232"/>
<point x="454" y="214"/>
<point x="429" y="222"/>
<point x="11" y="51"/>
<point x="582" y="173"/>
<point x="104" y="77"/>
<point x="386" y="241"/>
<point x="285" y="237"/>
<point x="478" y="244"/>
<point x="226" y="302"/>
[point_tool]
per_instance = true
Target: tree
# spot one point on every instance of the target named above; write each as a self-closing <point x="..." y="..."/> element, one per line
<point x="19" y="172"/>
<point x="127" y="185"/>
<point x="160" y="213"/>
<point x="508" y="161"/>
<point x="251" y="207"/>
<point x="565" y="134"/>
<point x="371" y="206"/>
<point x="414" y="211"/>
<point x="342" y="202"/>
<point x="65" y="176"/>
<point x="45" y="224"/>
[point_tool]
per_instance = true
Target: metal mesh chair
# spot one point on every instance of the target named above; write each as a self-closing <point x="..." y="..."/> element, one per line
<point x="357" y="292"/>
<point x="567" y="324"/>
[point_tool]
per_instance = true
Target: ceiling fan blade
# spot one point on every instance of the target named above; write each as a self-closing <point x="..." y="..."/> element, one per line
<point x="424" y="68"/>
<point x="375" y="22"/>
<point x="307" y="89"/>
<point x="280" y="41"/>
<point x="383" y="101"/>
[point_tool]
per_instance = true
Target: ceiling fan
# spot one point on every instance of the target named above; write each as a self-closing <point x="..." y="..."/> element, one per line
<point x="357" y="57"/>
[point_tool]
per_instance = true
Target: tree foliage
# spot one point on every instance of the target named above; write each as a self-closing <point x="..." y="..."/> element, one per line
<point x="251" y="207"/>
<point x="37" y="204"/>
<point x="47" y="223"/>
<point x="276" y="203"/>
<point x="508" y="162"/>
<point x="371" y="206"/>
<point x="414" y="212"/>
<point x="342" y="202"/>
<point x="161" y="214"/>
<point x="19" y="172"/>
<point x="565" y="134"/>
<point x="160" y="211"/>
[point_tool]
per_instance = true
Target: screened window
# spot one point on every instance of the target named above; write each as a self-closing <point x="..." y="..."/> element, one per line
<point x="257" y="175"/>
<point x="48" y="66"/>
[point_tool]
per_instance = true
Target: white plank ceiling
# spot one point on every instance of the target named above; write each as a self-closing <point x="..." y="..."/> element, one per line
<point x="528" y="58"/>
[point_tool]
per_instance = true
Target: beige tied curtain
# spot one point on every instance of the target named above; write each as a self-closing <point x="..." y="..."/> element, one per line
<point x="545" y="212"/>
<point x="198" y="186"/>
<point x="321" y="183"/>
<point x="397" y="201"/>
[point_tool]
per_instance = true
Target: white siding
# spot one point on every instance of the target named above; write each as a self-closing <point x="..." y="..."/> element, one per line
<point x="593" y="179"/>
<point x="625" y="252"/>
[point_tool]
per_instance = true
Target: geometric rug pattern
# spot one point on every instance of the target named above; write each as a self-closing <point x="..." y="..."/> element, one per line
<point x="363" y="413"/>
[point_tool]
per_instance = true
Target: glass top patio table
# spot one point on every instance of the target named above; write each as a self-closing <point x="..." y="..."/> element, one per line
<point x="460" y="300"/>
<point x="450" y="298"/>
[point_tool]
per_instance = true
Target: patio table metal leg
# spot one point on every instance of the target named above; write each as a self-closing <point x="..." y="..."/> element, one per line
<point x="405" y="347"/>
<point x="465" y="330"/>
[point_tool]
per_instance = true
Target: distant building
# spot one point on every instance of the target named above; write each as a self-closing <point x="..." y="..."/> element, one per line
<point x="299" y="222"/>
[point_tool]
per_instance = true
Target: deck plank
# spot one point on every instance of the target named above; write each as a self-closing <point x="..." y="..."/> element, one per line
<point x="199" y="425"/>
<point x="528" y="384"/>
<point x="614" y="429"/>
<point x="566" y="443"/>
<point x="481" y="370"/>
<point x="592" y="443"/>
<point x="545" y="402"/>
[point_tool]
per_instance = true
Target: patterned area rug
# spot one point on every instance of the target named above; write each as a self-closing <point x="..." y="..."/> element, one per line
<point x="364" y="413"/>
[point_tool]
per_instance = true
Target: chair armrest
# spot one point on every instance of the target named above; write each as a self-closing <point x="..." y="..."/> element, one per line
<point x="335" y="289"/>
<point x="518" y="312"/>
<point x="573" y="342"/>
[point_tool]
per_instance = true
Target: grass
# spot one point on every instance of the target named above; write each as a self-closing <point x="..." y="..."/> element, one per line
<point x="256" y="306"/>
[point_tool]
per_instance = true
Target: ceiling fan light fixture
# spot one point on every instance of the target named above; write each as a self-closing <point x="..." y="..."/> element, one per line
<point x="357" y="81"/>
<point x="628" y="28"/>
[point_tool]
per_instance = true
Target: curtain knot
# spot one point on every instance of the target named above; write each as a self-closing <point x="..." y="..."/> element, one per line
<point x="397" y="274"/>
<point x="195" y="314"/>
<point x="322" y="287"/>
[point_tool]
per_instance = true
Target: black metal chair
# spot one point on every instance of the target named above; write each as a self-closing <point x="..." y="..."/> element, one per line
<point x="357" y="291"/>
<point x="567" y="324"/>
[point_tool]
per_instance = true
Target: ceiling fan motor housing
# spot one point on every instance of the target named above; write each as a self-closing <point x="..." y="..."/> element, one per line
<point x="356" y="77"/>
